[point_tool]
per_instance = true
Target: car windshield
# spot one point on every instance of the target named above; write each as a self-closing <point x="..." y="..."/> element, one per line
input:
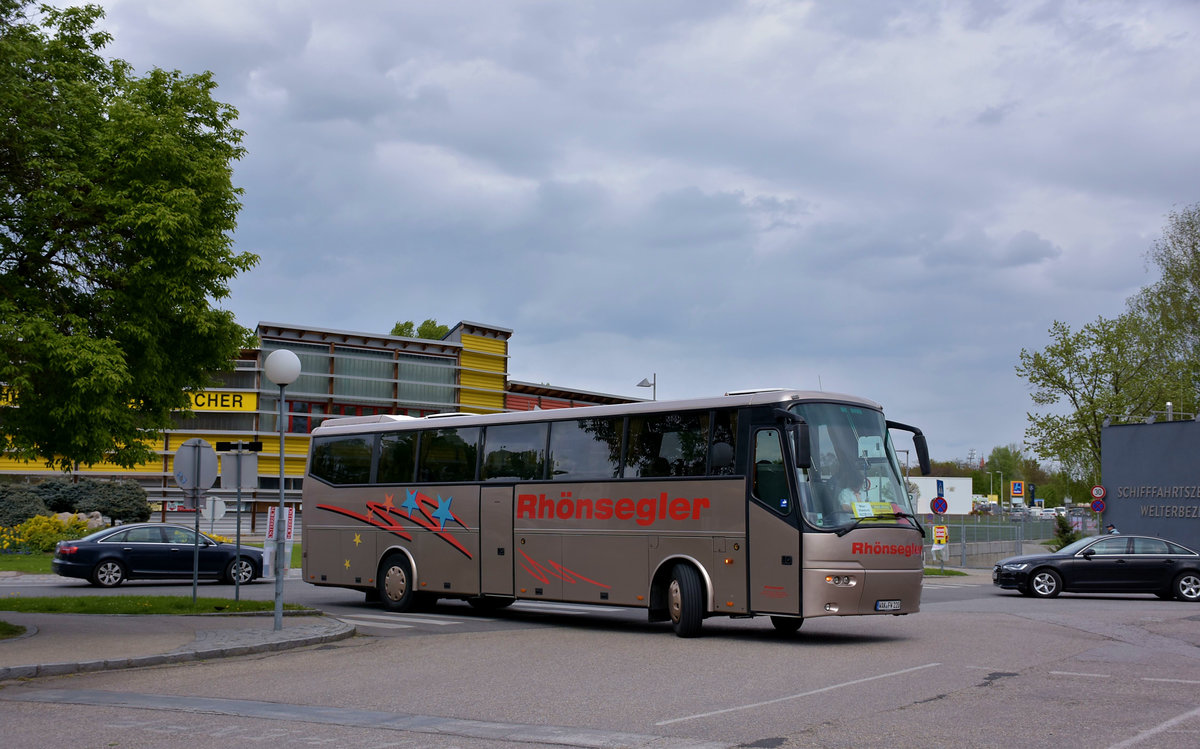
<point x="1075" y="547"/>
<point x="855" y="476"/>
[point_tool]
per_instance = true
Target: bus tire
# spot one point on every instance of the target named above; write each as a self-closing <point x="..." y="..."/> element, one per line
<point x="685" y="600"/>
<point x="786" y="624"/>
<point x="395" y="583"/>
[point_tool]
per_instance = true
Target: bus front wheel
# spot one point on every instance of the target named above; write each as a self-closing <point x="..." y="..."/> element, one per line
<point x="685" y="600"/>
<point x="394" y="583"/>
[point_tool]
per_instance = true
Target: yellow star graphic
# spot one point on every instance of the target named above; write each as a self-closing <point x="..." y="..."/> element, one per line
<point x="357" y="539"/>
<point x="347" y="564"/>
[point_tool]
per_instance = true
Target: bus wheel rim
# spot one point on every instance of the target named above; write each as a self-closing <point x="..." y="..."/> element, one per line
<point x="396" y="583"/>
<point x="675" y="601"/>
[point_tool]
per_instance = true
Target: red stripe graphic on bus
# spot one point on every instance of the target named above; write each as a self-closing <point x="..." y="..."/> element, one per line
<point x="386" y="516"/>
<point x="542" y="572"/>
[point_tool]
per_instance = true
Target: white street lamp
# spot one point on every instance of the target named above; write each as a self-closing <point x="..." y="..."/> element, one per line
<point x="282" y="367"/>
<point x="651" y="383"/>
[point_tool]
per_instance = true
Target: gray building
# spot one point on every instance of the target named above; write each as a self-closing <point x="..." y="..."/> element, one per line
<point x="1151" y="479"/>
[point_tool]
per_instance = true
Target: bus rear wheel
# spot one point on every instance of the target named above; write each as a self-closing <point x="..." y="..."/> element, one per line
<point x="394" y="583"/>
<point x="685" y="600"/>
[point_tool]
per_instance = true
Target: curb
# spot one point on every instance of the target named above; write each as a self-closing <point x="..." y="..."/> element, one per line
<point x="330" y="630"/>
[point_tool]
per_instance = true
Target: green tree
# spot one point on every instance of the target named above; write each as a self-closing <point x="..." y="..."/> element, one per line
<point x="116" y="212"/>
<point x="1174" y="300"/>
<point x="429" y="330"/>
<point x="1106" y="369"/>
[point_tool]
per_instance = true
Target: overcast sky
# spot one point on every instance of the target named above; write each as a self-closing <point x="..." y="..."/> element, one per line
<point x="885" y="198"/>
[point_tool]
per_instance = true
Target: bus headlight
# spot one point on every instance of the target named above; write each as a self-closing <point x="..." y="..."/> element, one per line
<point x="842" y="581"/>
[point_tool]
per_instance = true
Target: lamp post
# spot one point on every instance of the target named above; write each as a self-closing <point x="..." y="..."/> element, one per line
<point x="282" y="367"/>
<point x="652" y="383"/>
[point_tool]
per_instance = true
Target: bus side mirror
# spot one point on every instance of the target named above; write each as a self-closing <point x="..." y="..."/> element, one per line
<point x="922" y="453"/>
<point x="803" y="446"/>
<point x="918" y="442"/>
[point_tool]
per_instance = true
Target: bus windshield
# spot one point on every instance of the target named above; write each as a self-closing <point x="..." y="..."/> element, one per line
<point x="855" y="477"/>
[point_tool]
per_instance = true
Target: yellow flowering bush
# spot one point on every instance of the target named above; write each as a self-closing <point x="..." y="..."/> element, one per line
<point x="40" y="533"/>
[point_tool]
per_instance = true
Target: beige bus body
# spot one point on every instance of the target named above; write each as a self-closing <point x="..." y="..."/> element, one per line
<point x="649" y="542"/>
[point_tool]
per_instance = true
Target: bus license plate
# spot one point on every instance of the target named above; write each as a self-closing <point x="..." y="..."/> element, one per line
<point x="887" y="605"/>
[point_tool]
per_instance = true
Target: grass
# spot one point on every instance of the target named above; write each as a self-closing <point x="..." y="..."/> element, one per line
<point x="935" y="572"/>
<point x="111" y="605"/>
<point x="31" y="564"/>
<point x="10" y="630"/>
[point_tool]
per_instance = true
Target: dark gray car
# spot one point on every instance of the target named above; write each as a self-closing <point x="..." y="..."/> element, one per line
<point x="153" y="550"/>
<point x="1105" y="564"/>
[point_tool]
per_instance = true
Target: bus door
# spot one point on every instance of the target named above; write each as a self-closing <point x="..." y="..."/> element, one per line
<point x="496" y="540"/>
<point x="773" y="539"/>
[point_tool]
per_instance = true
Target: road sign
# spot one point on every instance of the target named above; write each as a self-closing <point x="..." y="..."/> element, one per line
<point x="940" y="534"/>
<point x="195" y="466"/>
<point x="1097" y="505"/>
<point x="939" y="505"/>
<point x="244" y="465"/>
<point x="1016" y="489"/>
<point x="1099" y="492"/>
<point x="212" y="508"/>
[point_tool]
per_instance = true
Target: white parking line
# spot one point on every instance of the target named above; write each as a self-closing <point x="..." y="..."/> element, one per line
<point x="829" y="688"/>
<point x="1073" y="673"/>
<point x="380" y="625"/>
<point x="1165" y="726"/>
<point x="409" y="619"/>
<point x="566" y="608"/>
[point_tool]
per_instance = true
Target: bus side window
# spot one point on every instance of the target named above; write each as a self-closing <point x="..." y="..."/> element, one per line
<point x="514" y="452"/>
<point x="721" y="452"/>
<point x="448" y="455"/>
<point x="770" y="479"/>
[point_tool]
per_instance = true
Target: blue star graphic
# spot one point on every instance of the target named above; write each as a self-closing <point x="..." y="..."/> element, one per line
<point x="443" y="511"/>
<point x="410" y="505"/>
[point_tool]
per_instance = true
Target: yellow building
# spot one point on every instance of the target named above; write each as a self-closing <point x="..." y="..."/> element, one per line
<point x="342" y="373"/>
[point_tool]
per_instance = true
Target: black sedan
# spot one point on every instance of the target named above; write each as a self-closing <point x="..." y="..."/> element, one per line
<point x="153" y="550"/>
<point x="1105" y="564"/>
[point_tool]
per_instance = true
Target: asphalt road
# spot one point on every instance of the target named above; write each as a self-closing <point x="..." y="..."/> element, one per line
<point x="977" y="667"/>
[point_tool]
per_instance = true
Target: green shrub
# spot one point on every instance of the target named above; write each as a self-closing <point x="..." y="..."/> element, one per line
<point x="60" y="495"/>
<point x="1063" y="533"/>
<point x="18" y="503"/>
<point x="120" y="500"/>
<point x="41" y="533"/>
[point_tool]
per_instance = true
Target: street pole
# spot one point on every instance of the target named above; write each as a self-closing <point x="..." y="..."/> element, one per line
<point x="282" y="367"/>
<point x="237" y="536"/>
<point x="196" y="538"/>
<point x="279" y="521"/>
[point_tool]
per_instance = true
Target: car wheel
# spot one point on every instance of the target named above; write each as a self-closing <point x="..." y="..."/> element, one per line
<point x="1187" y="587"/>
<point x="395" y="583"/>
<point x="685" y="600"/>
<point x="108" y="574"/>
<point x="240" y="570"/>
<point x="786" y="624"/>
<point x="1045" y="583"/>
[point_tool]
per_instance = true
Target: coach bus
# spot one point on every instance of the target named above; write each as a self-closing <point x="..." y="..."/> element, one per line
<point x="783" y="503"/>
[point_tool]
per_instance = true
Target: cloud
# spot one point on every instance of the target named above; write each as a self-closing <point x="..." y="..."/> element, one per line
<point x="892" y="200"/>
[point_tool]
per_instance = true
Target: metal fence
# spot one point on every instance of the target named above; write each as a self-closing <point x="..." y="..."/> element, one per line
<point x="982" y="540"/>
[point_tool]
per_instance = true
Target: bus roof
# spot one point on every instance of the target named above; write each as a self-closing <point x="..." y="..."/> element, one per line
<point x="737" y="399"/>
